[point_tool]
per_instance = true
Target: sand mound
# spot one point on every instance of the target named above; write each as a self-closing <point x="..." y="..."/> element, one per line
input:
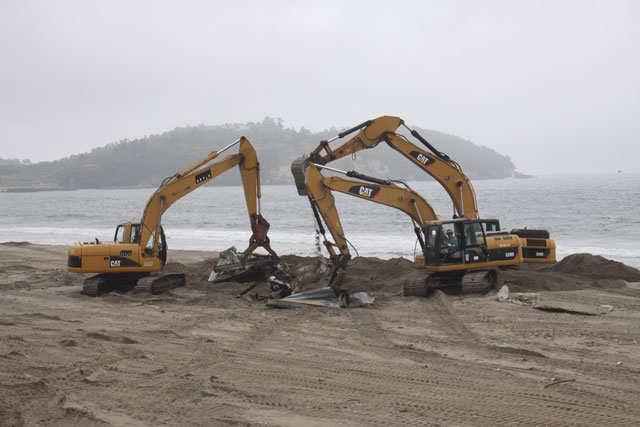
<point x="596" y="267"/>
<point x="523" y="280"/>
<point x="581" y="271"/>
<point x="374" y="274"/>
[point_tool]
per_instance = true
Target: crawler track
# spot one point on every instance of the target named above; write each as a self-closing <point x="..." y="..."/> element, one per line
<point x="157" y="283"/>
<point x="138" y="282"/>
<point x="107" y="282"/>
<point x="472" y="282"/>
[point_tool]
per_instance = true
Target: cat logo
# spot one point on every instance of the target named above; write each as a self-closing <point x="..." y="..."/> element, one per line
<point x="115" y="263"/>
<point x="423" y="159"/>
<point x="365" y="191"/>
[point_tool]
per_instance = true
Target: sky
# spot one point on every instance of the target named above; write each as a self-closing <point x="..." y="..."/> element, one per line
<point x="555" y="85"/>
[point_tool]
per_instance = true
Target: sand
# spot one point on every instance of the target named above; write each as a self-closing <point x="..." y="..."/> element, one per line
<point x="199" y="356"/>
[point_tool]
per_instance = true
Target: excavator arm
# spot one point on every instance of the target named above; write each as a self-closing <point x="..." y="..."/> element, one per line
<point x="324" y="209"/>
<point x="319" y="189"/>
<point x="384" y="192"/>
<point x="383" y="129"/>
<point x="183" y="183"/>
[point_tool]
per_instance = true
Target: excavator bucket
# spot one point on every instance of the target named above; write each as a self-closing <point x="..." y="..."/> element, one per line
<point x="298" y="167"/>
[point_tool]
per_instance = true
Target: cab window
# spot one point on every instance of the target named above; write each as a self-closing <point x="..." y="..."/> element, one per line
<point x="151" y="241"/>
<point x="431" y="240"/>
<point x="135" y="230"/>
<point x="490" y="226"/>
<point x="119" y="237"/>
<point x="473" y="234"/>
<point x="433" y="246"/>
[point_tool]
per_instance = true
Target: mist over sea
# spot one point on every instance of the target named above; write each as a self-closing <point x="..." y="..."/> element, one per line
<point x="594" y="214"/>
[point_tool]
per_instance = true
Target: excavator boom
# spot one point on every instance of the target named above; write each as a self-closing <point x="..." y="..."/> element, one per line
<point x="384" y="129"/>
<point x="384" y="192"/>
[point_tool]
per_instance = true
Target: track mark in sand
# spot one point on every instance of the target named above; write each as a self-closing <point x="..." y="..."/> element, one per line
<point x="516" y="351"/>
<point x="432" y="392"/>
<point x="17" y="267"/>
<point x="141" y="368"/>
<point x="101" y="376"/>
<point x="25" y="382"/>
<point x="41" y="316"/>
<point x="441" y="314"/>
<point x="120" y="340"/>
<point x="12" y="355"/>
<point x="95" y="414"/>
<point x="215" y="387"/>
<point x="48" y="317"/>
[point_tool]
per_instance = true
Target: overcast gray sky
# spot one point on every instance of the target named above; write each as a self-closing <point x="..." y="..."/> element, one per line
<point x="553" y="84"/>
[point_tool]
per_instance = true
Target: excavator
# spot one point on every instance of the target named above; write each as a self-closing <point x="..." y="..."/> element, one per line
<point x="138" y="252"/>
<point x="466" y="260"/>
<point x="480" y="245"/>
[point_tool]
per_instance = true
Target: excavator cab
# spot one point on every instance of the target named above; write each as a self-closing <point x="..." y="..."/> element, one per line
<point x="455" y="244"/>
<point x="127" y="232"/>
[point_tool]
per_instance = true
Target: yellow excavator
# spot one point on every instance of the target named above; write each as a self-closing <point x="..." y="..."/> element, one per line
<point x="460" y="253"/>
<point x="138" y="252"/>
<point x="537" y="246"/>
<point x="480" y="243"/>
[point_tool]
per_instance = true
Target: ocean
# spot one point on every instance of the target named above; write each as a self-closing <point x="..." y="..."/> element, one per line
<point x="594" y="214"/>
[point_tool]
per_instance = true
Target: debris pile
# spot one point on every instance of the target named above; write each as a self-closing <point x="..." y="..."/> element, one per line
<point x="284" y="285"/>
<point x="551" y="304"/>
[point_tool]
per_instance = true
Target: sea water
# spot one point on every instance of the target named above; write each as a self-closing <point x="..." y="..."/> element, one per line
<point x="594" y="214"/>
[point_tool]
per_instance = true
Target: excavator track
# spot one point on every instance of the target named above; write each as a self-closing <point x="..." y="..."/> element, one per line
<point x="471" y="282"/>
<point x="157" y="283"/>
<point x="432" y="281"/>
<point x="416" y="288"/>
<point x="104" y="283"/>
<point x="481" y="281"/>
<point x="95" y="286"/>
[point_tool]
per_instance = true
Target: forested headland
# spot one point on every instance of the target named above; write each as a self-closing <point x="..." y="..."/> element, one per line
<point x="144" y="162"/>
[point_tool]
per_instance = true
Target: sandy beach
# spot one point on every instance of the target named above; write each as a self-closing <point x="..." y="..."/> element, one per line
<point x="199" y="356"/>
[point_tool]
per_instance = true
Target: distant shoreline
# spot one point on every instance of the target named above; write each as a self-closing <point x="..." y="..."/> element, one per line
<point x="39" y="189"/>
<point x="34" y="189"/>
